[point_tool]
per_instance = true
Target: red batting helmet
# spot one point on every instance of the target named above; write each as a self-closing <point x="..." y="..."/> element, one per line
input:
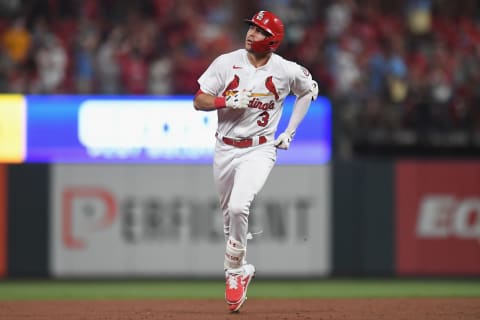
<point x="273" y="26"/>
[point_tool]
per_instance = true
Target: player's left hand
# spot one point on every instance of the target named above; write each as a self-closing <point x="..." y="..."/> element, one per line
<point x="284" y="139"/>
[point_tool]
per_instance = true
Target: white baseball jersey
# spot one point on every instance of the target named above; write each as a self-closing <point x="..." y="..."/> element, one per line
<point x="270" y="85"/>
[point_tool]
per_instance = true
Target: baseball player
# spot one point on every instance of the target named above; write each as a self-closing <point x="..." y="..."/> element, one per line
<point x="247" y="88"/>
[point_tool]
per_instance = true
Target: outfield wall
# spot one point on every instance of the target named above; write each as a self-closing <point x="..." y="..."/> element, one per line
<point x="406" y="218"/>
<point x="364" y="218"/>
<point x="158" y="221"/>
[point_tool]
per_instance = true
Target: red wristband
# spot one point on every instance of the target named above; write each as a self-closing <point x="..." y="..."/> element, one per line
<point x="219" y="102"/>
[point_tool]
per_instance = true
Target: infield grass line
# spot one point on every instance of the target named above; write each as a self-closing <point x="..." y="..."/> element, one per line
<point x="210" y="289"/>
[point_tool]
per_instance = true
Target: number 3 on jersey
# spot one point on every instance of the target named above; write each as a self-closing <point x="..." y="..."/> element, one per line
<point x="265" y="116"/>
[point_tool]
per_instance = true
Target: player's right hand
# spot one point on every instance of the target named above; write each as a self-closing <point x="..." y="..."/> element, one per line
<point x="239" y="100"/>
<point x="283" y="141"/>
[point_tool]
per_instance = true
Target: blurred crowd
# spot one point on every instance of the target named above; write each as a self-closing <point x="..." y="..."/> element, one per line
<point x="399" y="72"/>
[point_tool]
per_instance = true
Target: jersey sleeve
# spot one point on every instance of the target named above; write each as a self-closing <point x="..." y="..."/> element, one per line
<point x="301" y="79"/>
<point x="212" y="80"/>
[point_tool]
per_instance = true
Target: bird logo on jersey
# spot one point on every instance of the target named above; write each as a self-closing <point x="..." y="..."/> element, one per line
<point x="271" y="87"/>
<point x="232" y="86"/>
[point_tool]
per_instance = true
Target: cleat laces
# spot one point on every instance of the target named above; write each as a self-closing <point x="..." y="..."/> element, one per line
<point x="233" y="282"/>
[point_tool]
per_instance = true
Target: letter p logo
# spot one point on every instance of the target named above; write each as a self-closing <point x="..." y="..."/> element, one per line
<point x="85" y="209"/>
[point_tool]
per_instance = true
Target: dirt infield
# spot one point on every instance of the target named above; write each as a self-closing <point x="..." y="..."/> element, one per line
<point x="312" y="309"/>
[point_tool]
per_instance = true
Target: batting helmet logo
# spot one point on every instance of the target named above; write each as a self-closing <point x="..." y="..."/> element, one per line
<point x="271" y="24"/>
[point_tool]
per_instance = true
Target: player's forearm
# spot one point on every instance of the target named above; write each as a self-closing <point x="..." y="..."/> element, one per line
<point x="205" y="102"/>
<point x="300" y="108"/>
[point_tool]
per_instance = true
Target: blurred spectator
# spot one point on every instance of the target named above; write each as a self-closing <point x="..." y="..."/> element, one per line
<point x="51" y="61"/>
<point x="84" y="58"/>
<point x="10" y="7"/>
<point x="345" y="65"/>
<point x="338" y="17"/>
<point x="133" y="69"/>
<point x="107" y="68"/>
<point x="17" y="41"/>
<point x="160" y="78"/>
<point x="419" y="16"/>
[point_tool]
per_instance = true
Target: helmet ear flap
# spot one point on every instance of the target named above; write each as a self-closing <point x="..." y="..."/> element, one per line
<point x="272" y="43"/>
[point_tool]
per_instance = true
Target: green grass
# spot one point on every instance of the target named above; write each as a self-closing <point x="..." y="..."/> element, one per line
<point x="157" y="289"/>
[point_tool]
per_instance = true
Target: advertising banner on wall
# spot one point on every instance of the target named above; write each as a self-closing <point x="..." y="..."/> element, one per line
<point x="438" y="218"/>
<point x="13" y="119"/>
<point x="136" y="129"/>
<point x="151" y="220"/>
